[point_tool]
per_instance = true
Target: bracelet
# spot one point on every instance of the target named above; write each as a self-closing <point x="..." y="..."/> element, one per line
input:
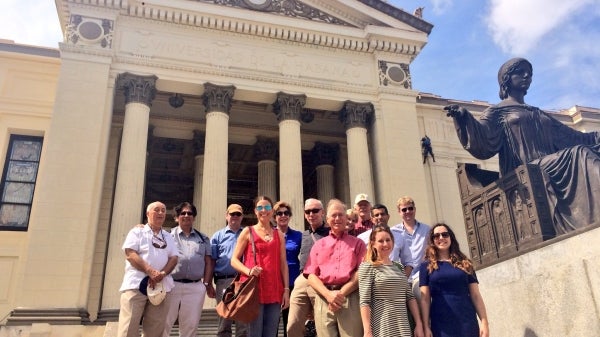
<point x="286" y="288"/>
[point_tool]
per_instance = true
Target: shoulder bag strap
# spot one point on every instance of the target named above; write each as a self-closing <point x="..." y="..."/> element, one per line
<point x="253" y="245"/>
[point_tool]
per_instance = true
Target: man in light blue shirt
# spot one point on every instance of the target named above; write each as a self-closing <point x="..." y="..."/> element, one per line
<point x="222" y="245"/>
<point x="410" y="238"/>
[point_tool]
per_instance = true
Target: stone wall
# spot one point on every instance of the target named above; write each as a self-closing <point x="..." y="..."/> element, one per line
<point x="552" y="291"/>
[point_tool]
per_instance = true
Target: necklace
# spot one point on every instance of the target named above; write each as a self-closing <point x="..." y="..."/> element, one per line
<point x="268" y="236"/>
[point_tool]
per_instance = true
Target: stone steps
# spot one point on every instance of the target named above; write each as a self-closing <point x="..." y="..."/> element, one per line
<point x="208" y="325"/>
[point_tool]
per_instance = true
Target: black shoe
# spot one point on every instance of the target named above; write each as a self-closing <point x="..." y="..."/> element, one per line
<point x="309" y="329"/>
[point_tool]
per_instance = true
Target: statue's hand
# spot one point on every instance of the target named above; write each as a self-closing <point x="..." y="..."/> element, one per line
<point x="455" y="111"/>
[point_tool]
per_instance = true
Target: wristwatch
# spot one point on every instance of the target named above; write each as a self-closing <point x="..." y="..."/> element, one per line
<point x="206" y="284"/>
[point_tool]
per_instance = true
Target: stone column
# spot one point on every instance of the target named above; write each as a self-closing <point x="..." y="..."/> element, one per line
<point x="326" y="157"/>
<point x="342" y="179"/>
<point x="198" y="143"/>
<point x="289" y="111"/>
<point x="265" y="150"/>
<point x="128" y="209"/>
<point x="217" y="101"/>
<point x="356" y="117"/>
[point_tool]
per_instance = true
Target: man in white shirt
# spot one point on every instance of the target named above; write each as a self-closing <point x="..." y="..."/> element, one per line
<point x="150" y="251"/>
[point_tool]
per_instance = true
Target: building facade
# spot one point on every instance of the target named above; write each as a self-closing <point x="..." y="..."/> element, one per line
<point x="213" y="101"/>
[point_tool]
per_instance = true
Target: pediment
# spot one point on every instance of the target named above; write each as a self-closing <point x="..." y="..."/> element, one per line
<point x="358" y="14"/>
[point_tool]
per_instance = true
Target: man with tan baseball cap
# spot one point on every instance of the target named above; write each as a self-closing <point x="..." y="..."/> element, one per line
<point x="222" y="245"/>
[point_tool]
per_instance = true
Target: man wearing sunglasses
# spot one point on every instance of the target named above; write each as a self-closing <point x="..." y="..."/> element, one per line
<point x="151" y="252"/>
<point x="222" y="245"/>
<point x="410" y="241"/>
<point x="302" y="297"/>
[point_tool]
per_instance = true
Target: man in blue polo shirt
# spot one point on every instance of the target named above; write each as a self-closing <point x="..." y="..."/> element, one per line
<point x="222" y="245"/>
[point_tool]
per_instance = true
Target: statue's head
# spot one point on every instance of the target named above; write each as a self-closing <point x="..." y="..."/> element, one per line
<point x="506" y="70"/>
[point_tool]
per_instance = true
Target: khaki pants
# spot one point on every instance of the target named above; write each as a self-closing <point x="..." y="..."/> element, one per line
<point x="302" y="301"/>
<point x="345" y="322"/>
<point x="134" y="306"/>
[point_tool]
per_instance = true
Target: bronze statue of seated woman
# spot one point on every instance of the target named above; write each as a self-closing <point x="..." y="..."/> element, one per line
<point x="523" y="134"/>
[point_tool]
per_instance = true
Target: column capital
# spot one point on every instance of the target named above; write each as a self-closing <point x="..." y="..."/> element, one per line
<point x="198" y="142"/>
<point x="137" y="88"/>
<point x="265" y="149"/>
<point x="288" y="106"/>
<point x="217" y="97"/>
<point x="355" y="114"/>
<point x="325" y="154"/>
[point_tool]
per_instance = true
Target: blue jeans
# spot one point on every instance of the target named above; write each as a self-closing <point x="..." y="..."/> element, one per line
<point x="267" y="323"/>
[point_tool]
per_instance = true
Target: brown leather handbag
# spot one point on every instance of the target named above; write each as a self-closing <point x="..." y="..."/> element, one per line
<point x="240" y="299"/>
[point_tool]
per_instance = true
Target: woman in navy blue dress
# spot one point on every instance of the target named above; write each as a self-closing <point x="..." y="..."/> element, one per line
<point x="450" y="297"/>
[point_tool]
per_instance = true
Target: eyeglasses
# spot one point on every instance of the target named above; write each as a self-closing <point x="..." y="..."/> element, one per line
<point x="444" y="235"/>
<point x="286" y="213"/>
<point x="184" y="213"/>
<point x="407" y="209"/>
<point x="236" y="214"/>
<point x="265" y="207"/>
<point x="159" y="242"/>
<point x="313" y="211"/>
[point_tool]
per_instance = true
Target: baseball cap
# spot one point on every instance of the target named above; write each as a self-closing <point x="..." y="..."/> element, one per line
<point x="155" y="295"/>
<point x="235" y="208"/>
<point x="361" y="197"/>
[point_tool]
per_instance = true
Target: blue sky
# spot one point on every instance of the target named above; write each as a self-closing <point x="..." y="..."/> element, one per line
<point x="469" y="42"/>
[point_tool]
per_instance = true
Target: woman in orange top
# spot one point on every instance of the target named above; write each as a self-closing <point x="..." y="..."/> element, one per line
<point x="271" y="268"/>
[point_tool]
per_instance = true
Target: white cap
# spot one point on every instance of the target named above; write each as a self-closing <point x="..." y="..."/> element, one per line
<point x="156" y="295"/>
<point x="361" y="197"/>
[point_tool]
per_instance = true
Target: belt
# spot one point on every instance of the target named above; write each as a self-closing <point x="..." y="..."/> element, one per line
<point x="334" y="286"/>
<point x="221" y="277"/>
<point x="185" y="280"/>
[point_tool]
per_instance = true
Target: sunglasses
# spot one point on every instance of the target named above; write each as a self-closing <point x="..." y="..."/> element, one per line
<point x="236" y="213"/>
<point x="407" y="209"/>
<point x="444" y="235"/>
<point x="159" y="242"/>
<point x="313" y="211"/>
<point x="184" y="213"/>
<point x="266" y="208"/>
<point x="286" y="213"/>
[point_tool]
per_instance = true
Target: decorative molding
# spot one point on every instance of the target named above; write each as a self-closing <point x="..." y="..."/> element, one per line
<point x="265" y="148"/>
<point x="217" y="98"/>
<point x="288" y="106"/>
<point x="291" y="8"/>
<point x="90" y="31"/>
<point x="394" y="74"/>
<point x="355" y="114"/>
<point x="138" y="89"/>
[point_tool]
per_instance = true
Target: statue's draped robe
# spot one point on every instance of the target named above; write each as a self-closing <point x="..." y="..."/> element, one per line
<point x="569" y="159"/>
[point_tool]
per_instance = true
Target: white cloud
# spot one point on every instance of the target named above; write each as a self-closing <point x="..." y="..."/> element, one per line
<point x="517" y="26"/>
<point x="441" y="6"/>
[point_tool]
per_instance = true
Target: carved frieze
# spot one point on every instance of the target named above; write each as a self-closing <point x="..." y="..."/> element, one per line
<point x="292" y="8"/>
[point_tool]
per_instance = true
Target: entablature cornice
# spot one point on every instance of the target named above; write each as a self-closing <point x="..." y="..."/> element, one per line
<point x="369" y="39"/>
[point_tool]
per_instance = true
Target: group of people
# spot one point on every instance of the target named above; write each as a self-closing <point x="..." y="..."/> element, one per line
<point x="349" y="273"/>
